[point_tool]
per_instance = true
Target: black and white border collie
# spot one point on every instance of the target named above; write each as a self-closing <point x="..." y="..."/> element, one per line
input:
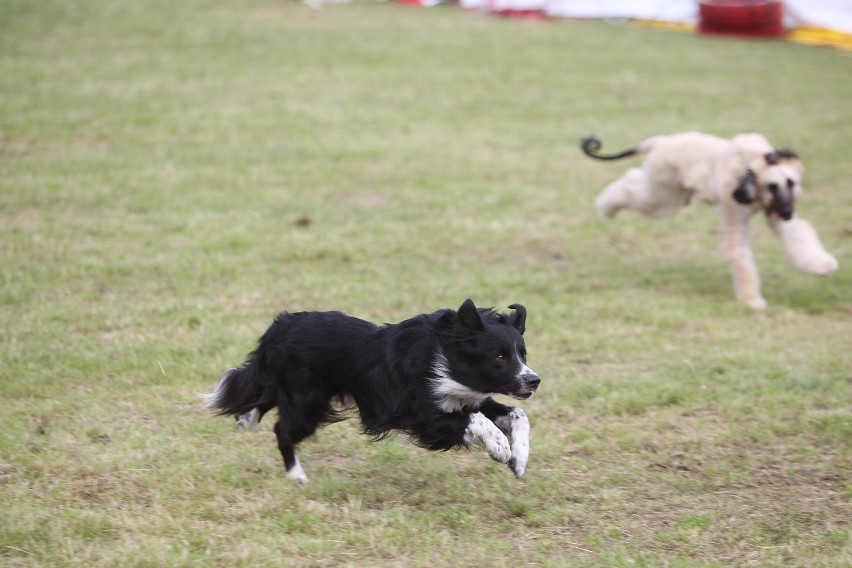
<point x="430" y="377"/>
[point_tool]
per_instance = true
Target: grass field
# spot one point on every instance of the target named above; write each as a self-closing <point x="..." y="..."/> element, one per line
<point x="173" y="174"/>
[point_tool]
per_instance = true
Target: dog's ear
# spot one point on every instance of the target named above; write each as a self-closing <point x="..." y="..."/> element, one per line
<point x="746" y="191"/>
<point x="772" y="158"/>
<point x="469" y="317"/>
<point x="519" y="318"/>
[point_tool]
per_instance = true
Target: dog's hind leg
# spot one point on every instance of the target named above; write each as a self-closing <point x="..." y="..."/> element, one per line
<point x="655" y="196"/>
<point x="513" y="422"/>
<point x="291" y="461"/>
<point x="250" y="421"/>
<point x="298" y="417"/>
<point x="619" y="194"/>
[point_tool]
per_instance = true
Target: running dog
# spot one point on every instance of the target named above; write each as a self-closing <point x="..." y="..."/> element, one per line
<point x="740" y="176"/>
<point x="431" y="377"/>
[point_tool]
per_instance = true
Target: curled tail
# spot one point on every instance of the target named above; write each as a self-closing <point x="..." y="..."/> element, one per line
<point x="591" y="145"/>
<point x="238" y="392"/>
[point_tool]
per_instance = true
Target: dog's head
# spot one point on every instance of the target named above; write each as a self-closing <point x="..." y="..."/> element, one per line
<point x="482" y="352"/>
<point x="773" y="178"/>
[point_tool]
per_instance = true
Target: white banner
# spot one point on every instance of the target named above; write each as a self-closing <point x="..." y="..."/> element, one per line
<point x="832" y="14"/>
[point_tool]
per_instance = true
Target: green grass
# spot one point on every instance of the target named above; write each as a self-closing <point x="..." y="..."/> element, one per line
<point x="173" y="174"/>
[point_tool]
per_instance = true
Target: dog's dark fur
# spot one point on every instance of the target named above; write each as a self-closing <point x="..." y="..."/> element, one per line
<point x="430" y="377"/>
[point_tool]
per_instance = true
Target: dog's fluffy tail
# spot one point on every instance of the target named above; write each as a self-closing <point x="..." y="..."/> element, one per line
<point x="591" y="145"/>
<point x="238" y="392"/>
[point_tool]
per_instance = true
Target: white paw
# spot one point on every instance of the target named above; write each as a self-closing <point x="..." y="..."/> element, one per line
<point x="517" y="467"/>
<point x="520" y="444"/>
<point x="250" y="421"/>
<point x="756" y="303"/>
<point x="605" y="210"/>
<point x="517" y="427"/>
<point x="297" y="474"/>
<point x="481" y="431"/>
<point x="499" y="448"/>
<point x="822" y="265"/>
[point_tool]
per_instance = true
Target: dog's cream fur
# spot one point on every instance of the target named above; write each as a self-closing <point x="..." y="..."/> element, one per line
<point x="682" y="166"/>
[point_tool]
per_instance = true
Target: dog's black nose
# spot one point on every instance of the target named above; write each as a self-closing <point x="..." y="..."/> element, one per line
<point x="533" y="382"/>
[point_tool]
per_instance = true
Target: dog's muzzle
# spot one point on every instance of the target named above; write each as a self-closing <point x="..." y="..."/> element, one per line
<point x="784" y="210"/>
<point x="528" y="383"/>
<point x="782" y="202"/>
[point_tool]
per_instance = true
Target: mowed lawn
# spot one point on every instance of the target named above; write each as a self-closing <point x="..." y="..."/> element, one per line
<point x="174" y="174"/>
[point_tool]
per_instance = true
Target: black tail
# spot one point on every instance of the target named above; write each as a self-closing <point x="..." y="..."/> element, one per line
<point x="239" y="391"/>
<point x="591" y="145"/>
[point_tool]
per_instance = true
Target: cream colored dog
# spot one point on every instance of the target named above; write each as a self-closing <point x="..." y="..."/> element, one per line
<point x="740" y="176"/>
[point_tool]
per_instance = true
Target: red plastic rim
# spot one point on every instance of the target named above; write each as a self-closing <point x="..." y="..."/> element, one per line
<point x="741" y="17"/>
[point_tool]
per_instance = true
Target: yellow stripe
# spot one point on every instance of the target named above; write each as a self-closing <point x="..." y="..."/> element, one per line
<point x="805" y="35"/>
<point x="821" y="36"/>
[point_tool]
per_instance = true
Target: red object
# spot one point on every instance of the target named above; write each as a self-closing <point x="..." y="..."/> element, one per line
<point x="741" y="17"/>
<point x="522" y="14"/>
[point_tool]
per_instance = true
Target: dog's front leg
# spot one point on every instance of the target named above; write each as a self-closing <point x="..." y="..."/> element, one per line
<point x="514" y="423"/>
<point x="736" y="246"/>
<point x="481" y="431"/>
<point x="517" y="425"/>
<point x="802" y="245"/>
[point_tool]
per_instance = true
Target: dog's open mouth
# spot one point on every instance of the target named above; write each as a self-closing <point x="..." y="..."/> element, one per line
<point x="783" y="216"/>
<point x="523" y="395"/>
<point x="527" y="385"/>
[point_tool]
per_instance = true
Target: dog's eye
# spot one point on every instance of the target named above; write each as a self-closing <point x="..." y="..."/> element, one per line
<point x="772" y="186"/>
<point x="501" y="357"/>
